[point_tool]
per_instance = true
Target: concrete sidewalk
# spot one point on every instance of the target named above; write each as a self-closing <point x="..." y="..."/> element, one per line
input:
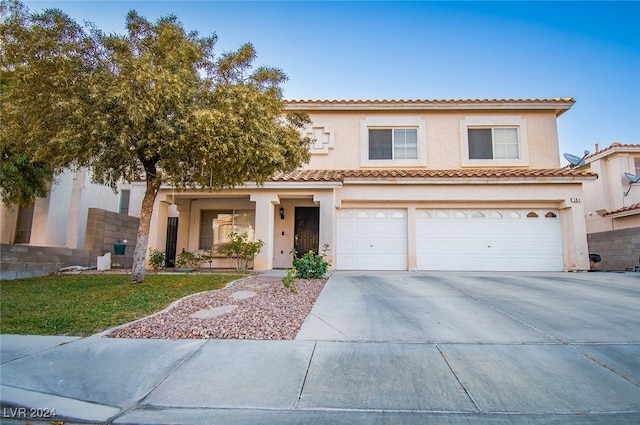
<point x="403" y="348"/>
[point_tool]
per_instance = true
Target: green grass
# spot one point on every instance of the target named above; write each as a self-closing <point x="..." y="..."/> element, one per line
<point x="81" y="305"/>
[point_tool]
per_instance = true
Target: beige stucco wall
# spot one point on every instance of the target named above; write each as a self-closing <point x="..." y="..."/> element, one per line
<point x="269" y="227"/>
<point x="8" y="218"/>
<point x="443" y="138"/>
<point x="340" y="137"/>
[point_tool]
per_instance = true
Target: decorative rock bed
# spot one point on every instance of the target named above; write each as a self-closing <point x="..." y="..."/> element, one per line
<point x="255" y="307"/>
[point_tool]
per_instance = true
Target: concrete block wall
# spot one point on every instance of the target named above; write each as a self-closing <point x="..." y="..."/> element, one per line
<point x="619" y="249"/>
<point x="104" y="228"/>
<point x="22" y="261"/>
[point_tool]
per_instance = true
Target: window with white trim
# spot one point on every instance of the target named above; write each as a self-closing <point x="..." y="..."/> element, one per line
<point x="493" y="143"/>
<point x="393" y="141"/>
<point x="397" y="143"/>
<point x="216" y="225"/>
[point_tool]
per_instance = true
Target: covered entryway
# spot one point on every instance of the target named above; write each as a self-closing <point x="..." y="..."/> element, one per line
<point x="372" y="239"/>
<point x="489" y="240"/>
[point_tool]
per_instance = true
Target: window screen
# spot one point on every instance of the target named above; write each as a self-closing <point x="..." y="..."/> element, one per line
<point x="380" y="144"/>
<point x="480" y="143"/>
<point x="125" y="195"/>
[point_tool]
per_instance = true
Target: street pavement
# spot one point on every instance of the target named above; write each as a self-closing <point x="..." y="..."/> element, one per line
<point x="377" y="348"/>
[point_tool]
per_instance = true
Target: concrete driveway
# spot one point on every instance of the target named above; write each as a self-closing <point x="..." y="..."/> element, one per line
<point x="378" y="348"/>
<point x="499" y="308"/>
<point x="516" y="343"/>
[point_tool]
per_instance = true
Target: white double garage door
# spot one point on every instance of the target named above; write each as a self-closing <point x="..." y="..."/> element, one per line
<point x="456" y="240"/>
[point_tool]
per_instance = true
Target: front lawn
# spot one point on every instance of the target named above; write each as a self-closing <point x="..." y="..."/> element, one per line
<point x="81" y="305"/>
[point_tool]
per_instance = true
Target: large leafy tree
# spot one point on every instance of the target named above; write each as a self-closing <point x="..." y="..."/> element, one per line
<point x="153" y="105"/>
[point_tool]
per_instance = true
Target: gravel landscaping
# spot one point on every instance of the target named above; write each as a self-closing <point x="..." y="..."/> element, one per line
<point x="256" y="307"/>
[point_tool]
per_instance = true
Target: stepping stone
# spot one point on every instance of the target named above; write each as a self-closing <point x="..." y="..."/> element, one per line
<point x="260" y="285"/>
<point x="241" y="295"/>
<point x="213" y="312"/>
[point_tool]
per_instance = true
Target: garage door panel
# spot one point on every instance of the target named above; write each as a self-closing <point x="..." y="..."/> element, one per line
<point x="490" y="240"/>
<point x="372" y="239"/>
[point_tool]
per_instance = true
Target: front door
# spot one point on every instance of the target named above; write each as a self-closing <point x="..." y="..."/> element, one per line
<point x="307" y="230"/>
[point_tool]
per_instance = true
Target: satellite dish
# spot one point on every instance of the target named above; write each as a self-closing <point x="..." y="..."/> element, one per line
<point x="632" y="180"/>
<point x="575" y="161"/>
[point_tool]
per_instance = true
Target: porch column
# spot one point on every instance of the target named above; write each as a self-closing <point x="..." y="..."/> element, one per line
<point x="574" y="237"/>
<point x="327" y="224"/>
<point x="184" y="218"/>
<point x="158" y="228"/>
<point x="265" y="216"/>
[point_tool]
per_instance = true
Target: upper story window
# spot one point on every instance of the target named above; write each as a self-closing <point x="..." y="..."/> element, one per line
<point x="490" y="141"/>
<point x="393" y="141"/>
<point x="397" y="143"/>
<point x="637" y="165"/>
<point x="125" y="195"/>
<point x="493" y="143"/>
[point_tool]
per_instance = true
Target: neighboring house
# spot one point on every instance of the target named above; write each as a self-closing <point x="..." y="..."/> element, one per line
<point x="612" y="205"/>
<point x="60" y="219"/>
<point x="75" y="223"/>
<point x="405" y="185"/>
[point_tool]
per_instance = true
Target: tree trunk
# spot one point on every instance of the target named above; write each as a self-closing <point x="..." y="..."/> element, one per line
<point x="142" y="239"/>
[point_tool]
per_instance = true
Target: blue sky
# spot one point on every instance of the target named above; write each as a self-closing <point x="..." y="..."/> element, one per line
<point x="589" y="51"/>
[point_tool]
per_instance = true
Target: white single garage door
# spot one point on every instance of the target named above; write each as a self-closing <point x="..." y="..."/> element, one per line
<point x="372" y="239"/>
<point x="489" y="240"/>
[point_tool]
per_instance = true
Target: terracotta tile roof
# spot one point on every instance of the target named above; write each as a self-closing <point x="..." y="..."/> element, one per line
<point x="613" y="146"/>
<point x="630" y="208"/>
<point x="511" y="173"/>
<point x="566" y="100"/>
<point x="559" y="105"/>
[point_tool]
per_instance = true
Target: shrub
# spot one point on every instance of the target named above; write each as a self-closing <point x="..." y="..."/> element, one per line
<point x="242" y="249"/>
<point x="288" y="281"/>
<point x="157" y="259"/>
<point x="311" y="265"/>
<point x="189" y="259"/>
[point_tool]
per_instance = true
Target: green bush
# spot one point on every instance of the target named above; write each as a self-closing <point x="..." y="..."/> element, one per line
<point x="189" y="259"/>
<point x="311" y="265"/>
<point x="242" y="249"/>
<point x="157" y="259"/>
<point x="288" y="281"/>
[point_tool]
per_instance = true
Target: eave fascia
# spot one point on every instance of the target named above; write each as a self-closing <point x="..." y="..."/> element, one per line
<point x="622" y="214"/>
<point x="612" y="152"/>
<point x="559" y="107"/>
<point x="463" y="181"/>
<point x="293" y="185"/>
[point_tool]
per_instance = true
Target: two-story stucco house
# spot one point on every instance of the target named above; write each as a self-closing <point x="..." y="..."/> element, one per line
<point x="612" y="205"/>
<point x="405" y="185"/>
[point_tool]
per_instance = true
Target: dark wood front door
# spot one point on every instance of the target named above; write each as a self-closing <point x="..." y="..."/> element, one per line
<point x="307" y="230"/>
